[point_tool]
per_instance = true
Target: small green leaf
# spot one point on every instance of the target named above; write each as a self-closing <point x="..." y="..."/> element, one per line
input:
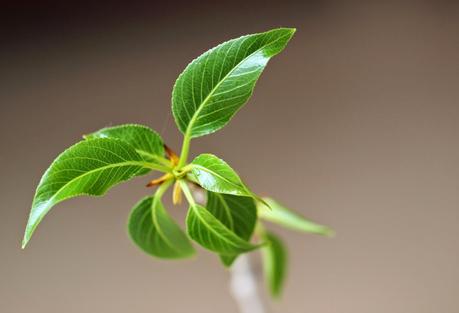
<point x="87" y="168"/>
<point x="216" y="175"/>
<point x="287" y="218"/>
<point x="213" y="87"/>
<point x="208" y="231"/>
<point x="238" y="214"/>
<point x="156" y="233"/>
<point x="145" y="141"/>
<point x="274" y="263"/>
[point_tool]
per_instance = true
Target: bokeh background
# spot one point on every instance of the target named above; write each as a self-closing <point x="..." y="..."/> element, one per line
<point x="355" y="125"/>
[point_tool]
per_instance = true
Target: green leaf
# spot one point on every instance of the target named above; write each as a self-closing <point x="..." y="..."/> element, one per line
<point x="156" y="233"/>
<point x="287" y="218"/>
<point x="87" y="168"/>
<point x="208" y="231"/>
<point x="274" y="263"/>
<point x="213" y="87"/>
<point x="216" y="175"/>
<point x="145" y="141"/>
<point x="238" y="214"/>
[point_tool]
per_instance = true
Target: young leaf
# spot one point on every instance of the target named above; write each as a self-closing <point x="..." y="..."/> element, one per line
<point x="212" y="234"/>
<point x="213" y="87"/>
<point x="216" y="175"/>
<point x="274" y="263"/>
<point x="146" y="141"/>
<point x="155" y="232"/>
<point x="238" y="214"/>
<point x="87" y="168"/>
<point x="287" y="218"/>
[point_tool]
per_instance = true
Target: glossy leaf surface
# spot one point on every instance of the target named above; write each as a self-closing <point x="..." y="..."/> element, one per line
<point x="214" y="174"/>
<point x="209" y="232"/>
<point x="239" y="214"/>
<point x="281" y="215"/>
<point x="274" y="263"/>
<point x="156" y="233"/>
<point x="87" y="168"/>
<point x="213" y="87"/>
<point x="145" y="141"/>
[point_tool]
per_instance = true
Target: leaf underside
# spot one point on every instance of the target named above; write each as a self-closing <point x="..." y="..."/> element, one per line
<point x="87" y="168"/>
<point x="213" y="87"/>
<point x="156" y="233"/>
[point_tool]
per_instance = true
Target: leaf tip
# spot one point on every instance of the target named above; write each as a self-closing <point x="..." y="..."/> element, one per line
<point x="27" y="235"/>
<point x="159" y="181"/>
<point x="325" y="231"/>
<point x="24" y="242"/>
<point x="290" y="30"/>
<point x="328" y="232"/>
<point x="227" y="263"/>
<point x="171" y="155"/>
<point x="276" y="295"/>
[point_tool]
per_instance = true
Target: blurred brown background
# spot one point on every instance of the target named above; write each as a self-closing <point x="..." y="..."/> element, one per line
<point x="355" y="125"/>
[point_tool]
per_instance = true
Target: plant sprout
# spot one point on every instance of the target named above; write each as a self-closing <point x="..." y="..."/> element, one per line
<point x="206" y="95"/>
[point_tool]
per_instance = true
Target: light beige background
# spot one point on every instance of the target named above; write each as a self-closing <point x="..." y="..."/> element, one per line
<point x="355" y="125"/>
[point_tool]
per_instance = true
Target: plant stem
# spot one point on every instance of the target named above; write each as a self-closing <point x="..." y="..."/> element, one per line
<point x="244" y="288"/>
<point x="185" y="150"/>
<point x="186" y="190"/>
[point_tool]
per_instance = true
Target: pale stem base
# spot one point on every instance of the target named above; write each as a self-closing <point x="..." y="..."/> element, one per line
<point x="244" y="288"/>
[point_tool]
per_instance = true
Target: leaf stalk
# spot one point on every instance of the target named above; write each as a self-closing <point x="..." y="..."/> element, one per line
<point x="186" y="190"/>
<point x="185" y="150"/>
